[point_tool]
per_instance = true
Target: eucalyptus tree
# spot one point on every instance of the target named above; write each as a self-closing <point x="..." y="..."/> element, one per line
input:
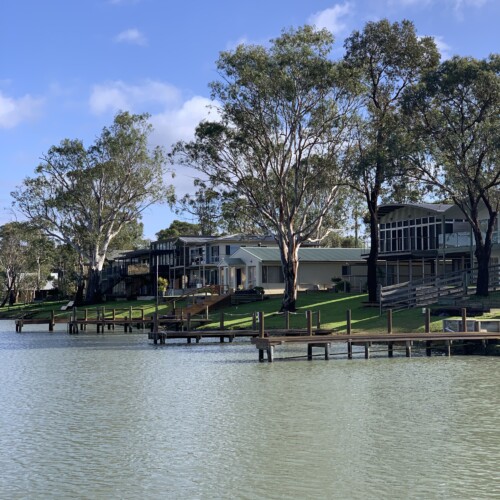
<point x="179" y="228"/>
<point x="285" y="112"/>
<point x="84" y="196"/>
<point x="13" y="259"/>
<point x="455" y="112"/>
<point x="205" y="206"/>
<point x="385" y="58"/>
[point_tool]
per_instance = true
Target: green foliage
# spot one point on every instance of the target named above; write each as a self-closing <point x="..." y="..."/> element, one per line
<point x="179" y="228"/>
<point x="162" y="284"/>
<point x="385" y="58"/>
<point x="454" y="115"/>
<point x="282" y="138"/>
<point x="84" y="197"/>
<point x="204" y="205"/>
<point x="339" y="285"/>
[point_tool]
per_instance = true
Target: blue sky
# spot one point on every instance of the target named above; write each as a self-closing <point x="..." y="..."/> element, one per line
<point x="67" y="66"/>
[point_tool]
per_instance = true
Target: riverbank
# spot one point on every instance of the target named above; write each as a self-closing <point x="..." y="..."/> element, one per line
<point x="329" y="309"/>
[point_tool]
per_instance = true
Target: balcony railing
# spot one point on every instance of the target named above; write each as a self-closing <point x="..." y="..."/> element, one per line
<point x="137" y="269"/>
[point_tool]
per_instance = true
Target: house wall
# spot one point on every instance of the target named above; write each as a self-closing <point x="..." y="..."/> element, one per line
<point x="311" y="275"/>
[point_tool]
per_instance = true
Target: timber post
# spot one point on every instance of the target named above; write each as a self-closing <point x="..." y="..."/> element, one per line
<point x="287" y="320"/>
<point x="464" y="319"/>
<point x="261" y="324"/>
<point x="389" y="321"/>
<point x="309" y="322"/>
<point x="52" y="320"/>
<point x="428" y="344"/>
<point x="318" y="319"/>
<point x="221" y="320"/>
<point x="349" y="331"/>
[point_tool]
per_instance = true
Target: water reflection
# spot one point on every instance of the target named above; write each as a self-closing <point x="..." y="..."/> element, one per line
<point x="111" y="416"/>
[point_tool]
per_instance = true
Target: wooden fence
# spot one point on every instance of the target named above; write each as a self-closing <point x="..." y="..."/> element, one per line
<point x="422" y="292"/>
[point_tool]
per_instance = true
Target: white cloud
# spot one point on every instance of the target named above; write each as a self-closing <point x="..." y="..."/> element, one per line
<point x="443" y="47"/>
<point x="179" y="123"/>
<point x="332" y="18"/>
<point x="133" y="36"/>
<point x="117" y="95"/>
<point x="15" y="111"/>
<point x="173" y="118"/>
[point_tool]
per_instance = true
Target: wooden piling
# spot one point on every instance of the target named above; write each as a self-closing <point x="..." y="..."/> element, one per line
<point x="52" y="320"/>
<point x="349" y="331"/>
<point x="261" y="324"/>
<point x="287" y="320"/>
<point x="221" y="320"/>
<point x="464" y="319"/>
<point x="309" y="322"/>
<point x="389" y="321"/>
<point x="408" y="348"/>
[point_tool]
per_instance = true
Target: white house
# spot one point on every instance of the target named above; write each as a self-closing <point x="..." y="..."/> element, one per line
<point x="261" y="266"/>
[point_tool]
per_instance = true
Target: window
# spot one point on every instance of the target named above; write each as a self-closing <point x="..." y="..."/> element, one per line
<point x="272" y="274"/>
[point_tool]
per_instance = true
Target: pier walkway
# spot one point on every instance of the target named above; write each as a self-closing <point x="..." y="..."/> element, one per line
<point x="407" y="341"/>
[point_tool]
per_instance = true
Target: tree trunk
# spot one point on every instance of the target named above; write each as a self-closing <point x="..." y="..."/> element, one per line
<point x="79" y="293"/>
<point x="93" y="294"/>
<point x="483" y="254"/>
<point x="290" y="265"/>
<point x="7" y="295"/>
<point x="371" y="263"/>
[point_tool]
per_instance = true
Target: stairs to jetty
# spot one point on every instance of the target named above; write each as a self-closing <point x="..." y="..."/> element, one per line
<point x="201" y="305"/>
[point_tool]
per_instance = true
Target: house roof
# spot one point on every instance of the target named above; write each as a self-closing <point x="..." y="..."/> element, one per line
<point x="308" y="254"/>
<point x="196" y="239"/>
<point x="434" y="207"/>
<point x="239" y="237"/>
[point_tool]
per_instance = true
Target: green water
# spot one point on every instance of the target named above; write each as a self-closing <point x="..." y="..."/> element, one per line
<point x="112" y="416"/>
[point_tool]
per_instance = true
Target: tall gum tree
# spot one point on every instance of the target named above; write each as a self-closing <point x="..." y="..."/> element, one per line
<point x="455" y="113"/>
<point x="282" y="138"/>
<point x="84" y="196"/>
<point x="386" y="58"/>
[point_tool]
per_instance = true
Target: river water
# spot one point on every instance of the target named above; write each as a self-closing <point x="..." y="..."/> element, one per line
<point x="112" y="416"/>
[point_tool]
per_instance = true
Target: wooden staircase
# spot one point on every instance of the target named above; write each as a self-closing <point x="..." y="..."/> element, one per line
<point x="201" y="305"/>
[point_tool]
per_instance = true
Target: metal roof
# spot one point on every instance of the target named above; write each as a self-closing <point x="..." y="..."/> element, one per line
<point x="308" y="254"/>
<point x="434" y="207"/>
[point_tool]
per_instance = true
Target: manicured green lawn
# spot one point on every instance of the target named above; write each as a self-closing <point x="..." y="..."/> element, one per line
<point x="332" y="308"/>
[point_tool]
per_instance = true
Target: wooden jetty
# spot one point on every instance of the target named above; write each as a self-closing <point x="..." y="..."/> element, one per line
<point x="111" y="319"/>
<point x="160" y="337"/>
<point x="266" y="343"/>
<point x="407" y="341"/>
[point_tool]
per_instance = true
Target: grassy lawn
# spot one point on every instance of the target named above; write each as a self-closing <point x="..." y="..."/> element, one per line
<point x="333" y="309"/>
<point x="331" y="306"/>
